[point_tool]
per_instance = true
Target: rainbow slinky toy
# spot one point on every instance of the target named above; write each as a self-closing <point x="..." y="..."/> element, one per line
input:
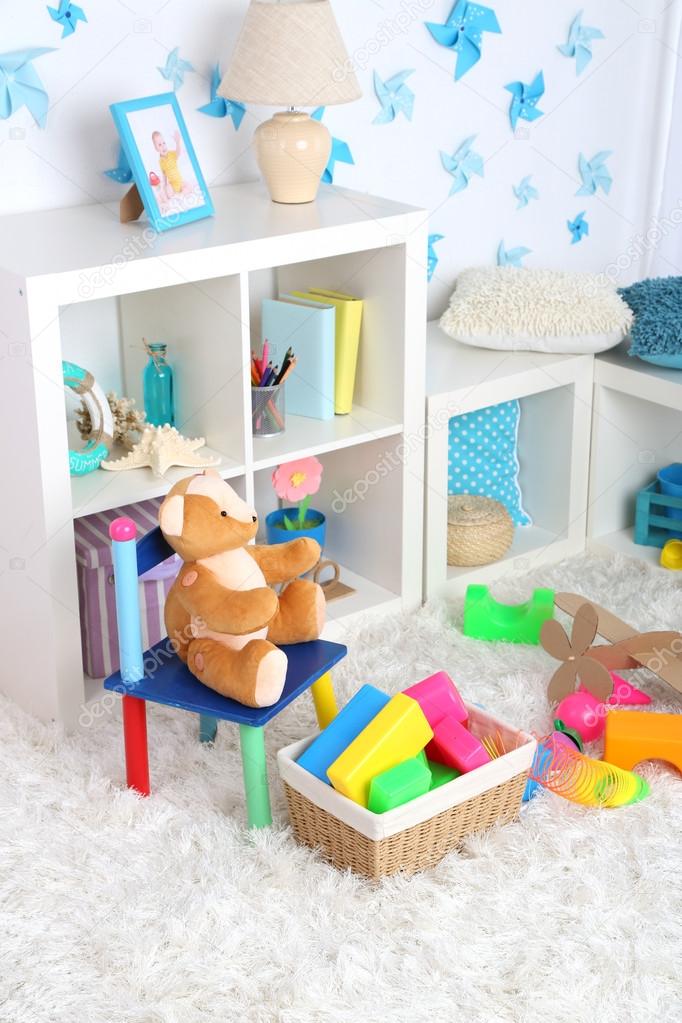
<point x="571" y="774"/>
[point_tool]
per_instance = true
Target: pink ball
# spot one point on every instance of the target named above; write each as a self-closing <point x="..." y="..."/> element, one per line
<point x="584" y="713"/>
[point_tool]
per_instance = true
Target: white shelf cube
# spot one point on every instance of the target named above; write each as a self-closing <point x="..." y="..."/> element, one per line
<point x="555" y="394"/>
<point x="77" y="284"/>
<point x="636" y="430"/>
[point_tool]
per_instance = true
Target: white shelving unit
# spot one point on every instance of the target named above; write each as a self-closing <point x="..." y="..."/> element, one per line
<point x="555" y="392"/>
<point x="636" y="429"/>
<point x="78" y="285"/>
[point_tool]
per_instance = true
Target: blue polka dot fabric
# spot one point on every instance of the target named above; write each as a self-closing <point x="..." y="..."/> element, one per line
<point x="483" y="459"/>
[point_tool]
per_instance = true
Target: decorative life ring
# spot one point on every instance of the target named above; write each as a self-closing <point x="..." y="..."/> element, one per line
<point x="98" y="447"/>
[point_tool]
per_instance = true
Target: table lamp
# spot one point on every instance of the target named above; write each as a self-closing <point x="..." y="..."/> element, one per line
<point x="290" y="53"/>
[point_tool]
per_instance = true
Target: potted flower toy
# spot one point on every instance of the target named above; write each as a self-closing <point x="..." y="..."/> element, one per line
<point x="296" y="482"/>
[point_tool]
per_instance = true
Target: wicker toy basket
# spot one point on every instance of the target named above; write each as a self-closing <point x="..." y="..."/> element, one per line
<point x="480" y="530"/>
<point x="420" y="833"/>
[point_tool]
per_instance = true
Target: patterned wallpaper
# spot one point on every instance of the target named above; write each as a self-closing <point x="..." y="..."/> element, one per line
<point x="534" y="133"/>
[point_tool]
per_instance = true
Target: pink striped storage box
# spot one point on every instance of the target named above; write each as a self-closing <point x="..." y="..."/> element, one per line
<point x="99" y="638"/>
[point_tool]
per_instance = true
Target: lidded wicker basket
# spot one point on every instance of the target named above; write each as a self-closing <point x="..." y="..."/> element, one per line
<point x="480" y="530"/>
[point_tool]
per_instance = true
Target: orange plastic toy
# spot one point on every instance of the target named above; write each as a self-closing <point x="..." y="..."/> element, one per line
<point x="633" y="736"/>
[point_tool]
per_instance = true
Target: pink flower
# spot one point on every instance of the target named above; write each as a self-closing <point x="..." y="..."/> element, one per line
<point x="295" y="480"/>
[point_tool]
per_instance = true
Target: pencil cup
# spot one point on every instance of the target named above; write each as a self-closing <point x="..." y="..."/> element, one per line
<point x="267" y="410"/>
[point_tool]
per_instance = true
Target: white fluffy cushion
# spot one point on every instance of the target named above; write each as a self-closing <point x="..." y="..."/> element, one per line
<point x="515" y="309"/>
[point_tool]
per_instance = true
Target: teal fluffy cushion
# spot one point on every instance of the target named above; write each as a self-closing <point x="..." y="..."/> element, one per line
<point x="657" y="305"/>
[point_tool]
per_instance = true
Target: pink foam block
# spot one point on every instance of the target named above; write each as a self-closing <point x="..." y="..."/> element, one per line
<point x="624" y="694"/>
<point x="454" y="746"/>
<point x="438" y="698"/>
<point x="122" y="529"/>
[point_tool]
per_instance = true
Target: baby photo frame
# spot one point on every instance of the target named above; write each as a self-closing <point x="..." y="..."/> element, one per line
<point x="168" y="180"/>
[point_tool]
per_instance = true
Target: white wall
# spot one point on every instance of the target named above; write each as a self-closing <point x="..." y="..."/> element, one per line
<point x="620" y="102"/>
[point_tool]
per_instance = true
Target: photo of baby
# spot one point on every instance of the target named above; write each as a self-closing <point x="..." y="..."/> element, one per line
<point x="168" y="167"/>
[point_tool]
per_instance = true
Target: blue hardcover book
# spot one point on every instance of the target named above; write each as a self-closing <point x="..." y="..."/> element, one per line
<point x="309" y="328"/>
<point x="346" y="726"/>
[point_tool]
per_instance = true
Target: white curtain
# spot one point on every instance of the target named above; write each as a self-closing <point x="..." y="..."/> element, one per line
<point x="665" y="229"/>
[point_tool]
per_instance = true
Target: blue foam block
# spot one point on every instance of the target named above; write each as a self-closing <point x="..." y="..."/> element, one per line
<point x="347" y="724"/>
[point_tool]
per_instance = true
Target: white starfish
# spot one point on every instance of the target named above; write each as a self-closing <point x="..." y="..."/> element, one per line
<point x="159" y="447"/>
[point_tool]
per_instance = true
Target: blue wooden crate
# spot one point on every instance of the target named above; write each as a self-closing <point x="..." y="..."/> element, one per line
<point x="653" y="528"/>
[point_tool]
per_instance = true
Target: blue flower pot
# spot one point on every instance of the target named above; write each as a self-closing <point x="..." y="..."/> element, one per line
<point x="277" y="532"/>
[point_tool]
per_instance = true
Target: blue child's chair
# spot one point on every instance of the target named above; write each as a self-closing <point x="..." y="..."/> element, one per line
<point x="161" y="677"/>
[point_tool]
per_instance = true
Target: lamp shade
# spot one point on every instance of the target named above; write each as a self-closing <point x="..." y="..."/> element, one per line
<point x="290" y="53"/>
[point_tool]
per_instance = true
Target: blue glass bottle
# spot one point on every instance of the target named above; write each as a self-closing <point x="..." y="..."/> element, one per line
<point x="158" y="387"/>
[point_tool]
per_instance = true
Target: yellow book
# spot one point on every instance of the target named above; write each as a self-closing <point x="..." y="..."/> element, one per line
<point x="398" y="732"/>
<point x="348" y="323"/>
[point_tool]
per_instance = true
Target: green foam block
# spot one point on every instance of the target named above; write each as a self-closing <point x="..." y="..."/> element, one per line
<point x="399" y="785"/>
<point x="485" y="618"/>
<point x="441" y="774"/>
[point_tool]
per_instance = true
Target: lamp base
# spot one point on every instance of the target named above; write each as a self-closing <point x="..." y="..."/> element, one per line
<point x="292" y="152"/>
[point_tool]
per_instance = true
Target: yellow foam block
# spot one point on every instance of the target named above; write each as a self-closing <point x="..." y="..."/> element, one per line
<point x="399" y="731"/>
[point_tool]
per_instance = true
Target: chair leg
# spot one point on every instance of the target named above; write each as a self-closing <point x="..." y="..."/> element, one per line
<point x="256" y="790"/>
<point x="324" y="700"/>
<point x="135" y="740"/>
<point x="208" y="728"/>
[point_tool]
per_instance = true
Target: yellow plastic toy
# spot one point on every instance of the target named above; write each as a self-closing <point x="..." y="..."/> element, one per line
<point x="633" y="736"/>
<point x="671" y="555"/>
<point x="399" y="731"/>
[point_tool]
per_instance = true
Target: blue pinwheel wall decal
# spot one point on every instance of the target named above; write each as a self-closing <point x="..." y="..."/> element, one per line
<point x="578" y="228"/>
<point x="594" y="173"/>
<point x="511" y="257"/>
<point x="121" y="172"/>
<point x="20" y="85"/>
<point x="432" y="260"/>
<point x="579" y="43"/>
<point x="524" y="192"/>
<point x="395" y="97"/>
<point x="462" y="32"/>
<point x="220" y="107"/>
<point x="525" y="99"/>
<point x="174" y="69"/>
<point x="67" y="15"/>
<point x="462" y="164"/>
<point x="340" y="152"/>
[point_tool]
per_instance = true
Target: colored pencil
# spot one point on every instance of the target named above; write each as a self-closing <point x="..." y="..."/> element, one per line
<point x="285" y="366"/>
<point x="267" y="375"/>
<point x="289" y="369"/>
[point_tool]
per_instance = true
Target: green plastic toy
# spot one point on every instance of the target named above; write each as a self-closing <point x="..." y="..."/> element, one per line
<point x="485" y="618"/>
<point x="399" y="785"/>
<point x="441" y="774"/>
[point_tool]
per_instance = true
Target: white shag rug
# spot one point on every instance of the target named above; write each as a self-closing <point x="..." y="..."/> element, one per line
<point x="117" y="909"/>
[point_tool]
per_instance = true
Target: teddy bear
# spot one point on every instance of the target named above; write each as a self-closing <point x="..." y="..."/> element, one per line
<point x="223" y="617"/>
